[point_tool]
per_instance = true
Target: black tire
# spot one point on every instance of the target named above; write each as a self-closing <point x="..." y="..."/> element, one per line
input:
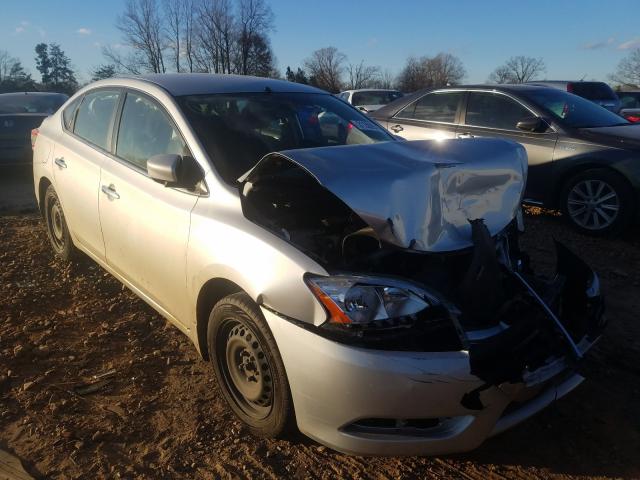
<point x="591" y="214"/>
<point x="57" y="229"/>
<point x="248" y="366"/>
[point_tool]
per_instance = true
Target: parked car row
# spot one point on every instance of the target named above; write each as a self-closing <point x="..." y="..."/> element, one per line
<point x="370" y="289"/>
<point x="583" y="159"/>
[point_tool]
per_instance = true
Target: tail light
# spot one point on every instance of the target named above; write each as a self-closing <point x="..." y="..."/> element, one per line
<point x="34" y="136"/>
<point x="633" y="118"/>
<point x="570" y="87"/>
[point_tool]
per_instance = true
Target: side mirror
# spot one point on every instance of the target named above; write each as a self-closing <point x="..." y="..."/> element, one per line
<point x="175" y="171"/>
<point x="164" y="167"/>
<point x="532" y="124"/>
<point x="362" y="109"/>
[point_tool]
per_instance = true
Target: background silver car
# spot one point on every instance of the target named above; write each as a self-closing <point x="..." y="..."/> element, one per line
<point x="372" y="286"/>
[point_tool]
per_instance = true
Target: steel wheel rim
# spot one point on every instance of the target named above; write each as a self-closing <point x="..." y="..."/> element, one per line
<point x="245" y="369"/>
<point x="56" y="225"/>
<point x="593" y="204"/>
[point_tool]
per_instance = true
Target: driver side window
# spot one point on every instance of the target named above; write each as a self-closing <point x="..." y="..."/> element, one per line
<point x="146" y="130"/>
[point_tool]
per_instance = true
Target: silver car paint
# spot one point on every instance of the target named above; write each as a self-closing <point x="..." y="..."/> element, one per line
<point x="421" y="195"/>
<point x="331" y="383"/>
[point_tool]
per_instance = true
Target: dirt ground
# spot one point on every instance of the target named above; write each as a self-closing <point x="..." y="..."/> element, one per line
<point x="160" y="415"/>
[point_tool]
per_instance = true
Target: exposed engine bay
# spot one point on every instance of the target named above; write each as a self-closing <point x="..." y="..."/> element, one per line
<point x="483" y="294"/>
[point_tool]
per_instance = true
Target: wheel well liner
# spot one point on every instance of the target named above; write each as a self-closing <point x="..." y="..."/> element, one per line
<point x="211" y="293"/>
<point x="42" y="189"/>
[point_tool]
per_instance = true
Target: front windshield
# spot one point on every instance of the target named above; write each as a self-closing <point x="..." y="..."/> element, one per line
<point x="574" y="111"/>
<point x="237" y="130"/>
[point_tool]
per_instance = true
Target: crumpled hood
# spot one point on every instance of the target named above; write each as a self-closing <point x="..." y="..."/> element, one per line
<point x="421" y="194"/>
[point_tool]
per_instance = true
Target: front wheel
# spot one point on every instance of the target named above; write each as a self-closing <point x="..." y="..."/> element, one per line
<point x="598" y="202"/>
<point x="248" y="366"/>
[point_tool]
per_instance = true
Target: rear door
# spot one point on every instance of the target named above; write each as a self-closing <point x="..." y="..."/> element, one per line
<point x="431" y="117"/>
<point x="494" y="114"/>
<point x="145" y="224"/>
<point x="78" y="156"/>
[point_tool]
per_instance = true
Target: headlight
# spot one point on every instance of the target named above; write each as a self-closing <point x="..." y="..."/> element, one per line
<point x="355" y="301"/>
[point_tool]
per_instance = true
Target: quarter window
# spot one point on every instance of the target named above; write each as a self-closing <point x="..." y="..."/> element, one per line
<point x="69" y="113"/>
<point x="494" y="111"/>
<point x="434" y="107"/>
<point x="145" y="131"/>
<point x="94" y="117"/>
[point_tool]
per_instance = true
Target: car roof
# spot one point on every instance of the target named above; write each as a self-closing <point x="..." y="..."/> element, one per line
<point x="178" y="84"/>
<point x="371" y="90"/>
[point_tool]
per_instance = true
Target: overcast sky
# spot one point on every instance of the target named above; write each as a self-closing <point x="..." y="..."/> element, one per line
<point x="576" y="39"/>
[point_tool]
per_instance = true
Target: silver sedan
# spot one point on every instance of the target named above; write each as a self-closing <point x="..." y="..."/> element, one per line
<point x="374" y="287"/>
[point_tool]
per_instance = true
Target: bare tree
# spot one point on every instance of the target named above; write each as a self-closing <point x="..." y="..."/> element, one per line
<point x="385" y="79"/>
<point x="188" y="32"/>
<point x="216" y="36"/>
<point x="255" y="19"/>
<point x="628" y="71"/>
<point x="325" y="67"/>
<point x="518" y="69"/>
<point x="141" y="25"/>
<point x="129" y="62"/>
<point x="431" y="72"/>
<point x="502" y="74"/>
<point x="361" y="75"/>
<point x="174" y="11"/>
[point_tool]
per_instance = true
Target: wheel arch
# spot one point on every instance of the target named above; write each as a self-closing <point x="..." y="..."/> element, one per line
<point x="214" y="290"/>
<point x="577" y="169"/>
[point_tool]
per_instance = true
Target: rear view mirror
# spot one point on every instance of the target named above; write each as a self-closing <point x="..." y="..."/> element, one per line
<point x="532" y="124"/>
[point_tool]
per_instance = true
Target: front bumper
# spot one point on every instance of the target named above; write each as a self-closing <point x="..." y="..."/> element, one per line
<point x="337" y="389"/>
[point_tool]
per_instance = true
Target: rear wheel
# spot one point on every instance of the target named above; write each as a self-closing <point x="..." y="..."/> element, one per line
<point x="248" y="366"/>
<point x="57" y="229"/>
<point x="598" y="202"/>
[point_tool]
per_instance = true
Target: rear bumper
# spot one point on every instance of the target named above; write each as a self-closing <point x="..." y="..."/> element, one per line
<point x="337" y="390"/>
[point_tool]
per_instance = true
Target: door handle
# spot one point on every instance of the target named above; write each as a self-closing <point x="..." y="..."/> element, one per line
<point x="60" y="162"/>
<point x="397" y="128"/>
<point x="466" y="135"/>
<point x="110" y="191"/>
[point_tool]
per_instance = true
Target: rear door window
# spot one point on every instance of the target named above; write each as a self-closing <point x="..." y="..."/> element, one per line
<point x="434" y="107"/>
<point x="146" y="130"/>
<point x="69" y="113"/>
<point x="494" y="110"/>
<point x="94" y="117"/>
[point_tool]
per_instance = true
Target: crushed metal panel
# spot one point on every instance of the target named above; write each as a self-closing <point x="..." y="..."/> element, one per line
<point x="421" y="194"/>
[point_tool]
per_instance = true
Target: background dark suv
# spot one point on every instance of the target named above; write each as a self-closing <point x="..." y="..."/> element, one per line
<point x="597" y="92"/>
<point x="583" y="158"/>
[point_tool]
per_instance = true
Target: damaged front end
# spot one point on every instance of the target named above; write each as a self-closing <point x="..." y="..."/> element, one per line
<point x="420" y="240"/>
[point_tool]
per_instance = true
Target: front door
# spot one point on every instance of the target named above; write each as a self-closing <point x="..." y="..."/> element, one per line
<point x="146" y="224"/>
<point x="492" y="114"/>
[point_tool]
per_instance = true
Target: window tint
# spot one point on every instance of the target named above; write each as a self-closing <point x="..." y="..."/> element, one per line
<point x="375" y="97"/>
<point x="629" y="99"/>
<point x="69" y="112"/>
<point x="435" y="107"/>
<point x="145" y="131"/>
<point x="31" y="102"/>
<point x="592" y="90"/>
<point x="94" y="116"/>
<point x="494" y="110"/>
